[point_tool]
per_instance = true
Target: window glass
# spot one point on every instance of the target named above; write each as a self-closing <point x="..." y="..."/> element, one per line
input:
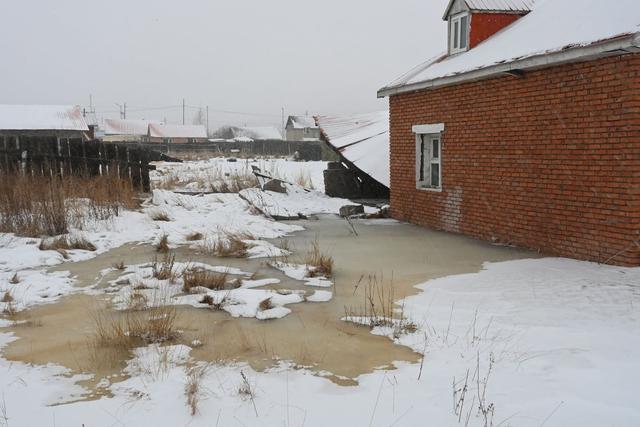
<point x="463" y="32"/>
<point x="435" y="174"/>
<point x="455" y="34"/>
<point x="435" y="149"/>
<point x="422" y="156"/>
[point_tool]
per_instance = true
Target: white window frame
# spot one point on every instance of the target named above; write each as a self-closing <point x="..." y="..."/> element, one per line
<point x="456" y="33"/>
<point x="426" y="135"/>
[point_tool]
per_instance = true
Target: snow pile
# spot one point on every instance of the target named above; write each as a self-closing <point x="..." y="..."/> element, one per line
<point x="295" y="203"/>
<point x="303" y="273"/>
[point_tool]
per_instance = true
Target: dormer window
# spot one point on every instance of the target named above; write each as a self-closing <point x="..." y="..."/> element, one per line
<point x="458" y="33"/>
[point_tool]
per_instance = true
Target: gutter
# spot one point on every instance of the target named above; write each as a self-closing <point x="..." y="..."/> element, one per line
<point x="622" y="45"/>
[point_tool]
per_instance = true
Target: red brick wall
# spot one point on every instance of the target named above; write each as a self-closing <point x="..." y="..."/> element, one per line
<point x="549" y="162"/>
<point x="484" y="25"/>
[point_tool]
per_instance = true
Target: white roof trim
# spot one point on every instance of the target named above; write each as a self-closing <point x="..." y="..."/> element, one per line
<point x="428" y="129"/>
<point x="626" y="44"/>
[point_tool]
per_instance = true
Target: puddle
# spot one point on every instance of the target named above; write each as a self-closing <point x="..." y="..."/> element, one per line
<point x="312" y="335"/>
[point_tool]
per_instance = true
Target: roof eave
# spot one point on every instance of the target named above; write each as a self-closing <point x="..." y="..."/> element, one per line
<point x="625" y="44"/>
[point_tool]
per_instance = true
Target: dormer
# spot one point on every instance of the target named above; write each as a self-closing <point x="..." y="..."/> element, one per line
<point x="472" y="21"/>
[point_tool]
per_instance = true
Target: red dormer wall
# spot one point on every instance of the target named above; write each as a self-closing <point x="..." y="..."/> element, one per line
<point x="484" y="25"/>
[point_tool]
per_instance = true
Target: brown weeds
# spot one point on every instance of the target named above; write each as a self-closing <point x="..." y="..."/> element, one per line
<point x="64" y="243"/>
<point x="165" y="268"/>
<point x="163" y="244"/>
<point x="195" y="278"/>
<point x="320" y="264"/>
<point x="34" y="206"/>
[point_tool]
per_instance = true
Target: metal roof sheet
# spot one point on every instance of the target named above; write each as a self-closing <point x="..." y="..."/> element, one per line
<point x="363" y="139"/>
<point x="42" y="117"/>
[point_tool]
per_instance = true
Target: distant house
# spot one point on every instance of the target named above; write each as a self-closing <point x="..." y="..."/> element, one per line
<point x="301" y="128"/>
<point x="42" y="121"/>
<point x="126" y="130"/>
<point x="177" y="134"/>
<point x="526" y="131"/>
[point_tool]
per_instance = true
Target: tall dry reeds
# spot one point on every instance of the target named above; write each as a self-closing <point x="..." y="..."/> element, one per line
<point x="34" y="206"/>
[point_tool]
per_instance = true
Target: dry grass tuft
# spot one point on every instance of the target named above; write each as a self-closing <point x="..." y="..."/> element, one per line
<point x="230" y="245"/>
<point x="303" y="179"/>
<point x="120" y="266"/>
<point x="131" y="329"/>
<point x="266" y="304"/>
<point x="160" y="215"/>
<point x="163" y="244"/>
<point x="192" y="388"/>
<point x="14" y="279"/>
<point x="165" y="268"/>
<point x="64" y="243"/>
<point x="7" y="297"/>
<point x="194" y="278"/>
<point x="320" y="264"/>
<point x="194" y="237"/>
<point x="137" y="301"/>
<point x="379" y="309"/>
<point x="207" y="299"/>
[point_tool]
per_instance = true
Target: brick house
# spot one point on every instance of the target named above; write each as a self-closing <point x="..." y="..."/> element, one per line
<point x="527" y="130"/>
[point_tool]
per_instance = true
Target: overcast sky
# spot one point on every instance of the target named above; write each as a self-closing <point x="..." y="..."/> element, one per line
<point x="249" y="56"/>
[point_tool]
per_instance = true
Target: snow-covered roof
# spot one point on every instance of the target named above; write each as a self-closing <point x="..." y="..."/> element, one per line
<point x="363" y="139"/>
<point x="257" y="132"/>
<point x="177" y="131"/>
<point x="301" y="122"/>
<point x="42" y="117"/>
<point x="559" y="27"/>
<point x="126" y="127"/>
<point x="509" y="6"/>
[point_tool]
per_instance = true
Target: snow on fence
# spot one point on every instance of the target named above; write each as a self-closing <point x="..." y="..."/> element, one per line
<point x="68" y="156"/>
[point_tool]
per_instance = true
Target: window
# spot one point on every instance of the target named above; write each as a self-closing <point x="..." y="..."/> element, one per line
<point x="167" y="140"/>
<point x="458" y="33"/>
<point x="429" y="161"/>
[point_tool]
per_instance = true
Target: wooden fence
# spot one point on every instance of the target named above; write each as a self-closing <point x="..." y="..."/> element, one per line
<point x="67" y="156"/>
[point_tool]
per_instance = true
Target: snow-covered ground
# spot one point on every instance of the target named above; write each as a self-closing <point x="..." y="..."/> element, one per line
<point x="550" y="342"/>
<point x="200" y="175"/>
<point x="546" y="342"/>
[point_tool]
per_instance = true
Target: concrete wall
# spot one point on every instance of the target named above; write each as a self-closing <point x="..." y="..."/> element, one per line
<point x="549" y="162"/>
<point x="300" y="135"/>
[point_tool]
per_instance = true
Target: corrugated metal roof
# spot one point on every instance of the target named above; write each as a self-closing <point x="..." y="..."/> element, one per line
<point x="126" y="127"/>
<point x="42" y="117"/>
<point x="505" y="6"/>
<point x="363" y="139"/>
<point x="177" y="131"/>
<point x="501" y="5"/>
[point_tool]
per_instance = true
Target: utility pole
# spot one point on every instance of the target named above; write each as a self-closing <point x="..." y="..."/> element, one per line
<point x="207" y="121"/>
<point x="183" y="105"/>
<point x="283" y="122"/>
<point x="125" y="111"/>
